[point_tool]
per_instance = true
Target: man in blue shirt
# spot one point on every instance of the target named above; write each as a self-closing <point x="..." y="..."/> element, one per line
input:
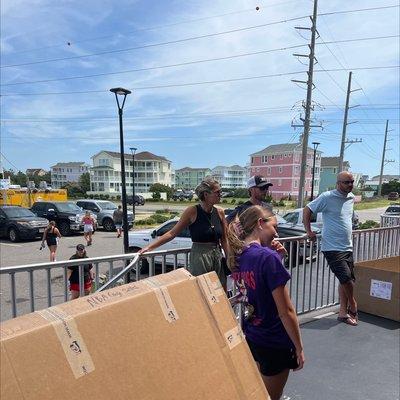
<point x="336" y="207"/>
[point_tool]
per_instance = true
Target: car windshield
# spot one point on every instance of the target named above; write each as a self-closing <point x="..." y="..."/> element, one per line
<point x="107" y="205"/>
<point x="18" y="212"/>
<point x="280" y="219"/>
<point x="68" y="207"/>
<point x="393" y="209"/>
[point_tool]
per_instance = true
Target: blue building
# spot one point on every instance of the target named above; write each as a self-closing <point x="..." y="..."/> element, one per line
<point x="329" y="170"/>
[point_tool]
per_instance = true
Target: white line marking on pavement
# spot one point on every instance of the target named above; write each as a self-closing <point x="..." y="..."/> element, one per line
<point x="9" y="244"/>
<point x="324" y="315"/>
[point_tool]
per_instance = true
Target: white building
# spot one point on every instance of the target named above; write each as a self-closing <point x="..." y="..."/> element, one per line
<point x="230" y="177"/>
<point x="69" y="172"/>
<point x="105" y="175"/>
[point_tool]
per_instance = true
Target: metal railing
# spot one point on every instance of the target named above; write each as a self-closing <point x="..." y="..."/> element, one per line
<point x="389" y="220"/>
<point x="313" y="286"/>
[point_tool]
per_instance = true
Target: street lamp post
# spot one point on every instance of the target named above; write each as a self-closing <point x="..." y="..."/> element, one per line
<point x="315" y="145"/>
<point x="124" y="93"/>
<point x="133" y="151"/>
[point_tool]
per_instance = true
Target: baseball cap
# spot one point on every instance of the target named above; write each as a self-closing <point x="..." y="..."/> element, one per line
<point x="258" y="181"/>
<point x="80" y="247"/>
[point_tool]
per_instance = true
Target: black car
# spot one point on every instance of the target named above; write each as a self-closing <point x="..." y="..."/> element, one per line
<point x="181" y="196"/>
<point x="66" y="214"/>
<point x="139" y="200"/>
<point x="18" y="223"/>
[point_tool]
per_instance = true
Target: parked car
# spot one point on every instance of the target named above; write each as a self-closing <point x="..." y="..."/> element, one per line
<point x="295" y="217"/>
<point x="66" y="214"/>
<point x="104" y="210"/>
<point x="393" y="196"/>
<point x="182" y="195"/>
<point x="141" y="238"/>
<point x="394" y="209"/>
<point x="139" y="200"/>
<point x="17" y="223"/>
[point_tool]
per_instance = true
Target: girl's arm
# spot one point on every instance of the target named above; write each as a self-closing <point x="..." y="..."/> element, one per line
<point x="44" y="236"/>
<point x="57" y="232"/>
<point x="289" y="320"/>
<point x="224" y="239"/>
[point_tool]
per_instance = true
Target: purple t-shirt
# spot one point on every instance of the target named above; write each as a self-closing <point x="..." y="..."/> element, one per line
<point x="262" y="271"/>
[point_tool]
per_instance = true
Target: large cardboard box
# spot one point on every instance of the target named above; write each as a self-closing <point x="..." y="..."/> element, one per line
<point x="169" y="337"/>
<point x="377" y="287"/>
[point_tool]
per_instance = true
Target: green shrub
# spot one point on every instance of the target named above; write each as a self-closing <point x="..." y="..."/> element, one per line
<point x="281" y="203"/>
<point x="369" y="224"/>
<point x="240" y="202"/>
<point x="233" y="201"/>
<point x="163" y="211"/>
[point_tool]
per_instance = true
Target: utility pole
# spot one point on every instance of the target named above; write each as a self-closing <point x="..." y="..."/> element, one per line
<point x="346" y="113"/>
<point x="303" y="167"/>
<point x="383" y="159"/>
<point x="345" y="123"/>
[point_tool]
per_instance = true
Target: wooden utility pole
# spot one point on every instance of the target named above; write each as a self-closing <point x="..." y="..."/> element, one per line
<point x="304" y="151"/>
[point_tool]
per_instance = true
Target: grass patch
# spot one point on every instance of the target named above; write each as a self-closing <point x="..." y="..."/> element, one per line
<point x="374" y="203"/>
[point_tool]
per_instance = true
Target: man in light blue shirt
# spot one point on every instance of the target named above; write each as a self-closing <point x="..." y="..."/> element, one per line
<point x="336" y="207"/>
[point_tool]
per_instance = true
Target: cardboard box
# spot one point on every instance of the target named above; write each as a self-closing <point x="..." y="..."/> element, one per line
<point x="169" y="337"/>
<point x="377" y="287"/>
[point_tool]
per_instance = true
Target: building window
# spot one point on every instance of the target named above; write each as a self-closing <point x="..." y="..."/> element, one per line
<point x="280" y="170"/>
<point x="285" y="155"/>
<point x="269" y="171"/>
<point x="264" y="159"/>
<point x="273" y="157"/>
<point x="104" y="161"/>
<point x="279" y="182"/>
<point x="295" y="183"/>
<point x="281" y="156"/>
<point x="296" y="169"/>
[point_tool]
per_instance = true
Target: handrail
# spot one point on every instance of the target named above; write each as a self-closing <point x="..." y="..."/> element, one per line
<point x="120" y="274"/>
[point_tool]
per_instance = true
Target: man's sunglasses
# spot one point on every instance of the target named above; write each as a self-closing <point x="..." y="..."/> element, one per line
<point x="347" y="182"/>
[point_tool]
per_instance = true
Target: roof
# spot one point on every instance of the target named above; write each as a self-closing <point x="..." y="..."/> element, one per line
<point x="188" y="169"/>
<point x="34" y="170"/>
<point x="388" y="177"/>
<point x="281" y="148"/>
<point x="332" y="162"/>
<point x="69" y="164"/>
<point x="231" y="167"/>
<point x="142" y="156"/>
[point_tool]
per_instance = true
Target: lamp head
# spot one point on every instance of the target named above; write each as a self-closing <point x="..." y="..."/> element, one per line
<point x="120" y="91"/>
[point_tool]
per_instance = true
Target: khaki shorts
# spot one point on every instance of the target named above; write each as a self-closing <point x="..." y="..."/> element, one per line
<point x="206" y="257"/>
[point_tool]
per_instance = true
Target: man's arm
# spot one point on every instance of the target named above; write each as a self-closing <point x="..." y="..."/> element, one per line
<point x="307" y="222"/>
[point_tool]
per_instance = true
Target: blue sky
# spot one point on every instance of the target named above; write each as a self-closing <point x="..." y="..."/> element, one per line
<point x="192" y="125"/>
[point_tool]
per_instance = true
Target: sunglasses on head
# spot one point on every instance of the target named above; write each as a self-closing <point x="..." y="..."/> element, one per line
<point x="347" y="182"/>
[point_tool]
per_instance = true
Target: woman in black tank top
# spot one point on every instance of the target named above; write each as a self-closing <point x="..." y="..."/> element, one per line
<point x="51" y="235"/>
<point x="207" y="228"/>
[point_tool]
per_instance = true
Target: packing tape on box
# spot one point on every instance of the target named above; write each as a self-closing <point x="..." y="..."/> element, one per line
<point x="164" y="299"/>
<point x="74" y="346"/>
<point x="234" y="337"/>
<point x="212" y="290"/>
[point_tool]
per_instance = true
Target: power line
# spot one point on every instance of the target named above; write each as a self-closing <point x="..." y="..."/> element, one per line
<point x="175" y="85"/>
<point x="157" y="44"/>
<point x="71" y="42"/>
<point x="158" y="67"/>
<point x="5" y="158"/>
<point x="358" y="10"/>
<point x="176" y="115"/>
<point x="193" y="62"/>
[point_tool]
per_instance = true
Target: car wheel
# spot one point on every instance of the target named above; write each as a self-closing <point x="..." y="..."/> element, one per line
<point x="108" y="225"/>
<point x="13" y="235"/>
<point x="64" y="228"/>
<point x="144" y="264"/>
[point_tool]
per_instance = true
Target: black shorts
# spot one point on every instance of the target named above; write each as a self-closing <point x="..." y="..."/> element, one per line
<point x="273" y="361"/>
<point x="341" y="264"/>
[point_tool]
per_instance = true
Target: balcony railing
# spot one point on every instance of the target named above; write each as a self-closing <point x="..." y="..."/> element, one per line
<point x="313" y="286"/>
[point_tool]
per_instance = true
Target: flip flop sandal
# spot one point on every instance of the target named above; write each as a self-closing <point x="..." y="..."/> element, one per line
<point x="347" y="320"/>
<point x="353" y="314"/>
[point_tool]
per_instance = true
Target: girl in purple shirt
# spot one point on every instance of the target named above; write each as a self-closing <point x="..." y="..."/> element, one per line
<point x="272" y="331"/>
